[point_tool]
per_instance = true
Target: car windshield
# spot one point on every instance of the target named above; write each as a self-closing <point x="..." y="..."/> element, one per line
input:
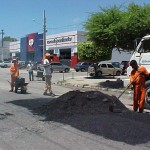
<point x="116" y="64"/>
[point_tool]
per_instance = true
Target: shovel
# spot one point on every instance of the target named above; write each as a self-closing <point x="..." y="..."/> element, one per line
<point x="111" y="106"/>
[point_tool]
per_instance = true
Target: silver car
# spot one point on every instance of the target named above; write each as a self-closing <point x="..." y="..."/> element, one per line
<point x="56" y="66"/>
<point x="5" y="64"/>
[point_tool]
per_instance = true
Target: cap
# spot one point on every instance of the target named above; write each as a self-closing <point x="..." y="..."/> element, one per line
<point x="47" y="54"/>
<point x="14" y="60"/>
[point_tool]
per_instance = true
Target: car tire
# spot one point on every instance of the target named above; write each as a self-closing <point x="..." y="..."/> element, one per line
<point x="5" y="66"/>
<point x="77" y="70"/>
<point x="99" y="74"/>
<point x="82" y="69"/>
<point x="91" y="74"/>
<point x="66" y="70"/>
<point x="147" y="96"/>
<point x="118" y="73"/>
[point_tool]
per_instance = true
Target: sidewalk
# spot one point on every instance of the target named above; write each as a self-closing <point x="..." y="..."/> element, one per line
<point x="94" y="83"/>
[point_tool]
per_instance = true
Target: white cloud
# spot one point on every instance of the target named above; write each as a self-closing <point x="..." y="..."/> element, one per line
<point x="76" y="20"/>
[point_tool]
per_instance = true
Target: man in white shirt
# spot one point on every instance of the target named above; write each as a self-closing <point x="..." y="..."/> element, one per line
<point x="48" y="75"/>
<point x="30" y="71"/>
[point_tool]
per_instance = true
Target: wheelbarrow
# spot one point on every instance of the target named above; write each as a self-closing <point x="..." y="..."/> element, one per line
<point x="40" y="75"/>
<point x="20" y="85"/>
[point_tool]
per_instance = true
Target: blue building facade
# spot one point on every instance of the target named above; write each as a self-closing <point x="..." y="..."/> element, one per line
<point x="31" y="47"/>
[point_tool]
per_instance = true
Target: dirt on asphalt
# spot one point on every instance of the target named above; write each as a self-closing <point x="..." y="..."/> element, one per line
<point x="79" y="102"/>
<point x="88" y="111"/>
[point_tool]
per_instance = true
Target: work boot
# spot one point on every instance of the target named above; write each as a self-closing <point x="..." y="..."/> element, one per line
<point x="140" y="110"/>
<point x="51" y="94"/>
<point x="45" y="93"/>
<point x="135" y="110"/>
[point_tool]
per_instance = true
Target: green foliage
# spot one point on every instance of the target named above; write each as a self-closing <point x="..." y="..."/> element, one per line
<point x="8" y="38"/>
<point x="115" y="28"/>
<point x="89" y="51"/>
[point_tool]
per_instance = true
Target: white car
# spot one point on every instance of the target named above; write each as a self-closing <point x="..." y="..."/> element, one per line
<point x="5" y="64"/>
<point x="104" y="69"/>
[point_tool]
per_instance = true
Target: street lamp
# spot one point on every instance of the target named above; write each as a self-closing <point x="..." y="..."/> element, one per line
<point x="44" y="33"/>
<point x="2" y="44"/>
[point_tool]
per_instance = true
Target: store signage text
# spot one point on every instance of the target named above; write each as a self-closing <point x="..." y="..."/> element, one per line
<point x="56" y="40"/>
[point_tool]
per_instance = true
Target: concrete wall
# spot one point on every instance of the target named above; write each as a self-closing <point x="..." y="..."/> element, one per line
<point x="120" y="56"/>
<point x="4" y="52"/>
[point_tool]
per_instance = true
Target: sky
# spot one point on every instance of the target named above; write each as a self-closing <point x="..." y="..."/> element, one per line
<point x="19" y="18"/>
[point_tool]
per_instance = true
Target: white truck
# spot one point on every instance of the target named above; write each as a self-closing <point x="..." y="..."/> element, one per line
<point x="142" y="56"/>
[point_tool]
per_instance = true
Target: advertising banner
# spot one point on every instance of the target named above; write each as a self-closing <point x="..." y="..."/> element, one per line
<point x="31" y="41"/>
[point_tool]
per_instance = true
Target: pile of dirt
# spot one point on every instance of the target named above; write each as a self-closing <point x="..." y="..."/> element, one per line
<point x="78" y="102"/>
<point x="112" y="84"/>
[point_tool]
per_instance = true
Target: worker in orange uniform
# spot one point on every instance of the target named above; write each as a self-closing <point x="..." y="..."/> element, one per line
<point x="138" y="78"/>
<point x="14" y="70"/>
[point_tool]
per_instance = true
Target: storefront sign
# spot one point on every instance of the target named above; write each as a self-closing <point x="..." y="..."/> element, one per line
<point x="58" y="40"/>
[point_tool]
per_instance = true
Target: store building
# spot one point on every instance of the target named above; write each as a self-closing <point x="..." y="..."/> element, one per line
<point x="4" y="51"/>
<point x="31" y="47"/>
<point x="62" y="47"/>
<point x="14" y="49"/>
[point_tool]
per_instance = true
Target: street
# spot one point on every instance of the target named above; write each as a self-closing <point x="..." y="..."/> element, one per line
<point x="21" y="128"/>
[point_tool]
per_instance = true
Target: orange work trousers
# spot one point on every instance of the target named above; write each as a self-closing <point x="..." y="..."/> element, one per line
<point x="139" y="97"/>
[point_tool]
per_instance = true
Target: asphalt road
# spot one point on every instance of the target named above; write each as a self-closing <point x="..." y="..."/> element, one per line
<point x="21" y="128"/>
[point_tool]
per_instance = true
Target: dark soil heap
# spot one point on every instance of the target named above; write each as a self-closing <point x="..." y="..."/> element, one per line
<point x="112" y="84"/>
<point x="77" y="102"/>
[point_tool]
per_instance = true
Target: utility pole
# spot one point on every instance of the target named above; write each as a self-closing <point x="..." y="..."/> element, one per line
<point x="44" y="34"/>
<point x="2" y="32"/>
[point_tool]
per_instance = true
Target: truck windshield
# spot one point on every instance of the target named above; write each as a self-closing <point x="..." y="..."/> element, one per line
<point x="144" y="46"/>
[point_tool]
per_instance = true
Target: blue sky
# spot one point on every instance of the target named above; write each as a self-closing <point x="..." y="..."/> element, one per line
<point x="16" y="16"/>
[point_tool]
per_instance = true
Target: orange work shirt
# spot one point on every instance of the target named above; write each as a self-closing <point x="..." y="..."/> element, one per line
<point x="14" y="69"/>
<point x="140" y="79"/>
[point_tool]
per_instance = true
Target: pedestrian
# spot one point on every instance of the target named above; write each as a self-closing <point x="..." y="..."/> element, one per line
<point x="138" y="78"/>
<point x="14" y="70"/>
<point x="48" y="75"/>
<point x="30" y="71"/>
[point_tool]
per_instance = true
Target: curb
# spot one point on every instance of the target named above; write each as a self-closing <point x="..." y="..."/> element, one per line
<point x="87" y="86"/>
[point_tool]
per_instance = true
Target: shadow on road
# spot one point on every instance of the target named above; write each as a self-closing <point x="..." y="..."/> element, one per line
<point x="128" y="127"/>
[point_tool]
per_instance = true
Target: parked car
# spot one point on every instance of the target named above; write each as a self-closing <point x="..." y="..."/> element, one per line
<point x="56" y="66"/>
<point x="117" y="64"/>
<point x="22" y="64"/>
<point x="82" y="66"/>
<point x="5" y="64"/>
<point x="104" y="69"/>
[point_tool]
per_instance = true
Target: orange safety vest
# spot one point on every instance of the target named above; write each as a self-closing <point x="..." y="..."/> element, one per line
<point x="14" y="69"/>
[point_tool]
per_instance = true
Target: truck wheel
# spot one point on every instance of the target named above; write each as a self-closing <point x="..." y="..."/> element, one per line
<point x="147" y="96"/>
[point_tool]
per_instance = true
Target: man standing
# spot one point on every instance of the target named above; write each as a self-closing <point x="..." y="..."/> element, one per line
<point x="48" y="75"/>
<point x="14" y="70"/>
<point x="137" y="78"/>
<point x="30" y="71"/>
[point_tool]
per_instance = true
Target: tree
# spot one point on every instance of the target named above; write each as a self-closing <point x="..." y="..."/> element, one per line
<point x="8" y="38"/>
<point x="89" y="51"/>
<point x="115" y="28"/>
